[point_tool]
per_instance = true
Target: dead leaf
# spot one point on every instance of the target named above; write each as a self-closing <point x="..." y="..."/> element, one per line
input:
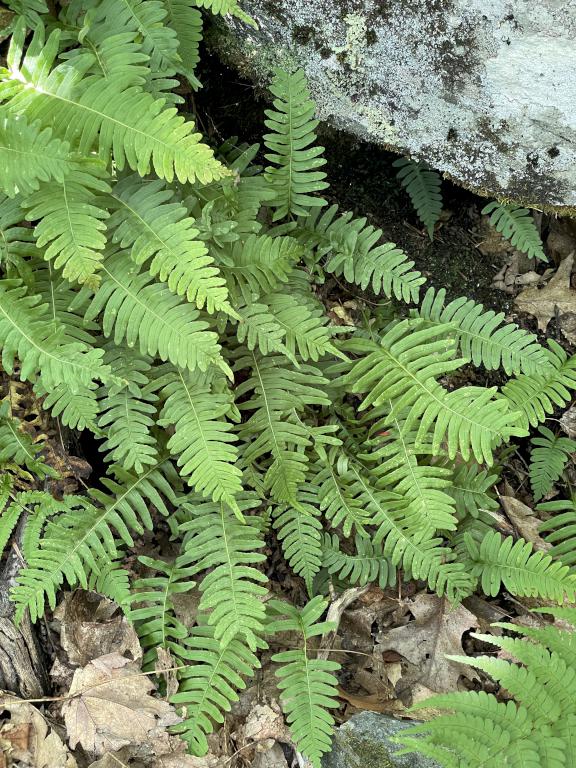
<point x="568" y="421"/>
<point x="372" y="703"/>
<point x="111" y="706"/>
<point x="165" y="665"/>
<point x="32" y="740"/>
<point x="556" y="298"/>
<point x="93" y="626"/>
<point x="436" y="631"/>
<point x="524" y="521"/>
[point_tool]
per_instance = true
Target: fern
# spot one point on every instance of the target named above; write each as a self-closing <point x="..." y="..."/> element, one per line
<point x="16" y="242"/>
<point x="366" y="565"/>
<point x="471" y="488"/>
<point x="483" y="337"/>
<point x="560" y="529"/>
<point x="225" y="7"/>
<point x="517" y="225"/>
<point x="186" y="21"/>
<point x="125" y="120"/>
<point x="295" y="160"/>
<point x="154" y="226"/>
<point x="232" y="591"/>
<point x="535" y="730"/>
<point x="547" y="460"/>
<point x="299" y="529"/>
<point x="536" y="396"/>
<point x="308" y="684"/>
<point x="424" y="187"/>
<point x="515" y="565"/>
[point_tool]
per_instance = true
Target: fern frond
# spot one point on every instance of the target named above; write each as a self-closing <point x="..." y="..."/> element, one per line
<point x="155" y="227"/>
<point x="203" y="439"/>
<point x="16" y="242"/>
<point x="112" y="581"/>
<point x="276" y="391"/>
<point x="152" y="606"/>
<point x="225" y="7"/>
<point x="300" y="533"/>
<point x="547" y="460"/>
<point x="537" y="395"/>
<point x="232" y="590"/>
<point x="424" y="187"/>
<point x="138" y="310"/>
<point x="208" y="684"/>
<point x="82" y="536"/>
<point x="516" y="225"/>
<point x="483" y="336"/>
<point x="366" y="565"/>
<point x="309" y="685"/>
<point x="71" y="222"/>
<point x="26" y="333"/>
<point x="295" y="159"/>
<point x="471" y="489"/>
<point x="29" y="155"/>
<point x="259" y="265"/>
<point x="560" y="529"/>
<point x="259" y="329"/>
<point x="522" y="571"/>
<point x="126" y="412"/>
<point x="86" y="111"/>
<point x="17" y="446"/>
<point x="403" y="367"/>
<point x="186" y="21"/>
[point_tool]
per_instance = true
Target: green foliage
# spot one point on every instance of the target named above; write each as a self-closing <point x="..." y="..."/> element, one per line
<point x="533" y="730"/>
<point x="165" y="297"/>
<point x="517" y="225"/>
<point x="424" y="187"/>
<point x="295" y="160"/>
<point x="308" y="684"/>
<point x="547" y="460"/>
<point x="560" y="529"/>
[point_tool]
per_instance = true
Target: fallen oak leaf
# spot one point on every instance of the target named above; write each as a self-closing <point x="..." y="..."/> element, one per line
<point x="109" y="706"/>
<point x="556" y="298"/>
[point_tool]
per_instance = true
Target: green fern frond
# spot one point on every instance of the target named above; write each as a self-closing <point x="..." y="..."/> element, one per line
<point x="300" y="533"/>
<point x="232" y="590"/>
<point x="186" y="21"/>
<point x="112" y="581"/>
<point x="26" y="333"/>
<point x="471" y="488"/>
<point x="547" y="460"/>
<point x="259" y="265"/>
<point x="82" y="535"/>
<point x="126" y="412"/>
<point x="516" y="225"/>
<point x="137" y="310"/>
<point x="403" y="367"/>
<point x="483" y="336"/>
<point x="203" y="439"/>
<point x="152" y="607"/>
<point x="536" y="396"/>
<point x="424" y="187"/>
<point x="17" y="243"/>
<point x="209" y="683"/>
<point x="87" y="110"/>
<point x="365" y="565"/>
<point x="522" y="571"/>
<point x="71" y="222"/>
<point x="309" y="685"/>
<point x="276" y="391"/>
<point x="560" y="529"/>
<point x="29" y="155"/>
<point x="18" y="447"/>
<point x="295" y="159"/>
<point x="155" y="227"/>
<point x="259" y="329"/>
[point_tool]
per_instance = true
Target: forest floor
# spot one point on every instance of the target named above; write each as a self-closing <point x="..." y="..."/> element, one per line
<point x="391" y="642"/>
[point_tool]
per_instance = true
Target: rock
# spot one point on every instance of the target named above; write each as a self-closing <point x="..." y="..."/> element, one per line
<point x="363" y="742"/>
<point x="483" y="90"/>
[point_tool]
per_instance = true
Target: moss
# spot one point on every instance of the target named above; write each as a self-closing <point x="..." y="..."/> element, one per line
<point x="364" y="753"/>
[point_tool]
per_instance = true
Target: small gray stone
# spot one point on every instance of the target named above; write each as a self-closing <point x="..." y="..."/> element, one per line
<point x="363" y="742"/>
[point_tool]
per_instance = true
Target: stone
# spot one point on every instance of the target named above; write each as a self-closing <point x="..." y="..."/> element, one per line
<point x="364" y="742"/>
<point x="482" y="90"/>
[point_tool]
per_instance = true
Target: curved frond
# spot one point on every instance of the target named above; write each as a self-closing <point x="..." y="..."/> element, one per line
<point x="300" y="532"/>
<point x="365" y="565"/>
<point x="548" y="459"/>
<point x="516" y="224"/>
<point x="560" y="529"/>
<point x="424" y="187"/>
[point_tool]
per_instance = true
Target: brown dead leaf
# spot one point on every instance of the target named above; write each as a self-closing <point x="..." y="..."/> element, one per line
<point x="165" y="666"/>
<point x="93" y="626"/>
<point x="111" y="706"/>
<point x="556" y="298"/>
<point x="372" y="703"/>
<point x="436" y="631"/>
<point x="524" y="521"/>
<point x="30" y="738"/>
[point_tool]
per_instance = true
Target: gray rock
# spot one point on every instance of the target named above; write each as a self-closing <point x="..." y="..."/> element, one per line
<point x="483" y="90"/>
<point x="363" y="742"/>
